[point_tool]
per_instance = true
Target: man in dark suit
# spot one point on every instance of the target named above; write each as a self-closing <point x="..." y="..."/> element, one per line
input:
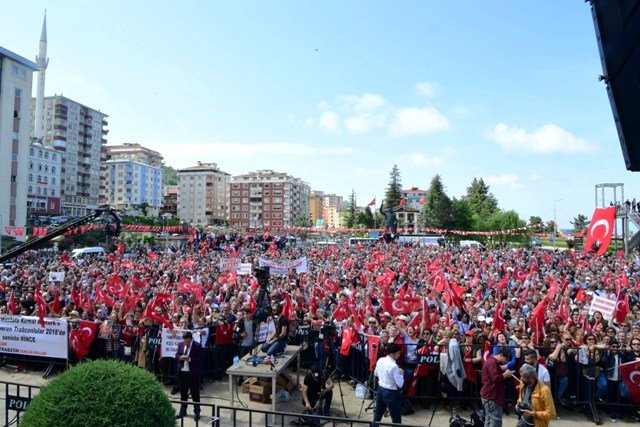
<point x="189" y="357"/>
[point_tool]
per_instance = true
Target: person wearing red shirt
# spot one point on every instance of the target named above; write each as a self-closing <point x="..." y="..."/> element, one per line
<point x="492" y="392"/>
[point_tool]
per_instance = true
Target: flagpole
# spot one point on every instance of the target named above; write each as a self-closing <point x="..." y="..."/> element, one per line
<point x="375" y="223"/>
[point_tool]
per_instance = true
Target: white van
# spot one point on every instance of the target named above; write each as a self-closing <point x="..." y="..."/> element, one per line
<point x="471" y="244"/>
<point x="76" y="253"/>
<point x="55" y="220"/>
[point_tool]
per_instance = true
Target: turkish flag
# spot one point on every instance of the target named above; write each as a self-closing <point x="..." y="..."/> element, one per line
<point x="402" y="202"/>
<point x="8" y="230"/>
<point x="347" y="336"/>
<point x="373" y="342"/>
<point x="373" y="202"/>
<point x="498" y="320"/>
<point x="81" y="338"/>
<point x="341" y="312"/>
<point x="42" y="306"/>
<point x="486" y="351"/>
<point x="18" y="230"/>
<point x="421" y="201"/>
<point x="185" y="286"/>
<point x="537" y="321"/>
<point x="115" y="286"/>
<point x="397" y="306"/>
<point x="287" y="308"/>
<point x="12" y="302"/>
<point x="138" y="283"/>
<point x="152" y="255"/>
<point x="622" y="308"/>
<point x="630" y="373"/>
<point x="150" y="312"/>
<point x="101" y="297"/>
<point x="600" y="230"/>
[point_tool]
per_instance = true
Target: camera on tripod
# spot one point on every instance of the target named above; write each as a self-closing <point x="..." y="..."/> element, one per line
<point x="263" y="311"/>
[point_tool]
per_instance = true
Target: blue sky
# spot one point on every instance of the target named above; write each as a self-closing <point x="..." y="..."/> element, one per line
<point x="337" y="92"/>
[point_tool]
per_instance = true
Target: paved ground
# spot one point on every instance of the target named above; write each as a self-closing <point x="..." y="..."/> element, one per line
<point x="218" y="393"/>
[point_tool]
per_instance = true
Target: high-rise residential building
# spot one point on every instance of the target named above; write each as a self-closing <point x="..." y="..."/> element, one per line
<point x="329" y="200"/>
<point x="43" y="191"/>
<point x="78" y="133"/>
<point x="202" y="194"/>
<point x="414" y="197"/>
<point x="134" y="179"/>
<point x="315" y="207"/>
<point x="267" y="199"/>
<point x="16" y="75"/>
<point x="135" y="153"/>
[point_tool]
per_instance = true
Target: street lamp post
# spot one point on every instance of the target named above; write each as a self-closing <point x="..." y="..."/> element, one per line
<point x="555" y="225"/>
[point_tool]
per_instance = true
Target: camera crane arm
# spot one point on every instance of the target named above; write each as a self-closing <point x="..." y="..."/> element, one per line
<point x="58" y="231"/>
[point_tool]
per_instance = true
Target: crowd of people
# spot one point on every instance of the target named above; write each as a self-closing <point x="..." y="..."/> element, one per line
<point x="352" y="301"/>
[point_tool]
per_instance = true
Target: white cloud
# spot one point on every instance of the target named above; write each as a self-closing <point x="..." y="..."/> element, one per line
<point x="462" y="111"/>
<point x="363" y="104"/>
<point x="329" y="121"/>
<point x="543" y="140"/>
<point x="534" y="177"/>
<point x="425" y="88"/>
<point x="506" y="179"/>
<point x="360" y="171"/>
<point x="370" y="111"/>
<point x="417" y="121"/>
<point x="419" y="159"/>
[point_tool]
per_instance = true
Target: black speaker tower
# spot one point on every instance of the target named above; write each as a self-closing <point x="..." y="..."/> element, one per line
<point x="617" y="24"/>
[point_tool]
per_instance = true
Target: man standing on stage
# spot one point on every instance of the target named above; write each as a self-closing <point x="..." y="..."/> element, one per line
<point x="390" y="382"/>
<point x="494" y="372"/>
<point x="189" y="357"/>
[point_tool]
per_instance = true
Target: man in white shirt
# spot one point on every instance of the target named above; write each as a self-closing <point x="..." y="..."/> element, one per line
<point x="531" y="358"/>
<point x="390" y="382"/>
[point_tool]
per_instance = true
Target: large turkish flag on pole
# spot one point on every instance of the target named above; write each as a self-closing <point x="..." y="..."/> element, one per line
<point x="600" y="230"/>
<point x="630" y="373"/>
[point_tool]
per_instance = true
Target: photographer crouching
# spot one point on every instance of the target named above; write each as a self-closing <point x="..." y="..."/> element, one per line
<point x="317" y="394"/>
<point x="535" y="404"/>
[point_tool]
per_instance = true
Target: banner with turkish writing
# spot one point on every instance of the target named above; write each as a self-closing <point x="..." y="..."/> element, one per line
<point x="600" y="231"/>
<point x="630" y="373"/>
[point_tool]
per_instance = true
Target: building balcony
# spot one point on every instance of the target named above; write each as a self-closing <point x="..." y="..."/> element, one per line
<point x="59" y="144"/>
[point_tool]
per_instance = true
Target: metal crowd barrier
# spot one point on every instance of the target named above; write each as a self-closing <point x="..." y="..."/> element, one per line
<point x="580" y="391"/>
<point x="16" y="397"/>
<point x="242" y="417"/>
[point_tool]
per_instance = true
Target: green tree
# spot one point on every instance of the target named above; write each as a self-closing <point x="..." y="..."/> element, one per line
<point x="367" y="217"/>
<point x="580" y="223"/>
<point x="170" y="175"/>
<point x="462" y="216"/>
<point x="394" y="189"/>
<point x="351" y="216"/>
<point x="481" y="202"/>
<point x="302" y="221"/>
<point x="535" y="220"/>
<point x="437" y="211"/>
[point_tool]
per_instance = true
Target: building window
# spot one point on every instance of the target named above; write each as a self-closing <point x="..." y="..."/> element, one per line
<point x="32" y="151"/>
<point x="30" y="189"/>
<point x="18" y="92"/>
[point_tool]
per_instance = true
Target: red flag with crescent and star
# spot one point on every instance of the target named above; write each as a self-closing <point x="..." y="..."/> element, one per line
<point x="630" y="373"/>
<point x="600" y="230"/>
<point x="398" y="306"/>
<point x="82" y="337"/>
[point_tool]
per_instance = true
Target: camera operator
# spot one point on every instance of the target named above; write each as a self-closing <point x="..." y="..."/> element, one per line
<point x="317" y="393"/>
<point x="535" y="403"/>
